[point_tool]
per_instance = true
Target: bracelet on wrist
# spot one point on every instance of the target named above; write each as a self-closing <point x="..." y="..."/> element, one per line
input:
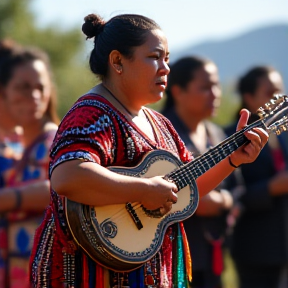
<point x="231" y="163"/>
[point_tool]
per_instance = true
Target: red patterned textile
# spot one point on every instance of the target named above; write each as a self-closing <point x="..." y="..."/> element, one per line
<point x="94" y="131"/>
<point x="17" y="228"/>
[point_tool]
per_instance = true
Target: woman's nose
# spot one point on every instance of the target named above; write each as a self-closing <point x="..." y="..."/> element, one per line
<point x="165" y="67"/>
<point x="36" y="94"/>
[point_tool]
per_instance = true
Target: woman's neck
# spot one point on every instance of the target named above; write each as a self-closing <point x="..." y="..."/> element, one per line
<point x="129" y="106"/>
<point x="199" y="137"/>
<point x="190" y="121"/>
<point x="139" y="119"/>
<point x="31" y="132"/>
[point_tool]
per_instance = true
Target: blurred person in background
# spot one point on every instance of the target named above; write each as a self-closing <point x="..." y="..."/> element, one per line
<point x="28" y="94"/>
<point x="193" y="95"/>
<point x="259" y="244"/>
<point x="10" y="146"/>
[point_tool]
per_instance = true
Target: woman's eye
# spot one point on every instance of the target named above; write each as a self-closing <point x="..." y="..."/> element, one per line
<point x="22" y="86"/>
<point x="40" y="88"/>
<point x="206" y="88"/>
<point x="155" y="57"/>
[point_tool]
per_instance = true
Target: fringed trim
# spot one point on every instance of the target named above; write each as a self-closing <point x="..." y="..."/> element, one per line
<point x="167" y="261"/>
<point x="187" y="254"/>
<point x="40" y="266"/>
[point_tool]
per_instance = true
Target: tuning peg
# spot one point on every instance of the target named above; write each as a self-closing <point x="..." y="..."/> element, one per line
<point x="267" y="106"/>
<point x="284" y="128"/>
<point x="261" y="112"/>
<point x="278" y="96"/>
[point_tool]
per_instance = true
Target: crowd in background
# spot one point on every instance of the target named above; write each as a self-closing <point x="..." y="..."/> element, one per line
<point x="246" y="214"/>
<point x="28" y="124"/>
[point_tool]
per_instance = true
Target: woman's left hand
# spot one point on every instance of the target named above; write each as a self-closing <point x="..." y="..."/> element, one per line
<point x="258" y="138"/>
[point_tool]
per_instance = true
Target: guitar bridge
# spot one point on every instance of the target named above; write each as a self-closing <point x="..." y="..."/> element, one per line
<point x="134" y="216"/>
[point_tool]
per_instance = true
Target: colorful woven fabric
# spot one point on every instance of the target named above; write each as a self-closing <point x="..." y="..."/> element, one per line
<point x="94" y="131"/>
<point x="17" y="228"/>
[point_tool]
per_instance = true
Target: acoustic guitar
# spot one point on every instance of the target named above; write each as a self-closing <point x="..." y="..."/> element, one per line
<point x="123" y="237"/>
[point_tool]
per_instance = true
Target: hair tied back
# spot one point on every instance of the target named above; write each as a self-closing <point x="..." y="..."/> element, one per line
<point x="93" y="25"/>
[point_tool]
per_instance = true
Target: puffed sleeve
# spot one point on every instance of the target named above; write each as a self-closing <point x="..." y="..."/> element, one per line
<point x="87" y="132"/>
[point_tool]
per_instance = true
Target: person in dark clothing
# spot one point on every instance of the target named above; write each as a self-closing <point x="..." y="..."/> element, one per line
<point x="193" y="95"/>
<point x="259" y="244"/>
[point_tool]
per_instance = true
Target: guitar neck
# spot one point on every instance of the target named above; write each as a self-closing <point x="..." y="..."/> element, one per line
<point x="187" y="173"/>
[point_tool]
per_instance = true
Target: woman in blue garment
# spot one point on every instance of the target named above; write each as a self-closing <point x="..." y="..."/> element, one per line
<point x="27" y="93"/>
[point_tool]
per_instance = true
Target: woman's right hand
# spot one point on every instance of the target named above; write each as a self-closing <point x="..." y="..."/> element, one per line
<point x="160" y="194"/>
<point x="257" y="137"/>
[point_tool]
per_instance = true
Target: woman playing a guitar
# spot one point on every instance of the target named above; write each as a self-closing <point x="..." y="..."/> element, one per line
<point x="109" y="126"/>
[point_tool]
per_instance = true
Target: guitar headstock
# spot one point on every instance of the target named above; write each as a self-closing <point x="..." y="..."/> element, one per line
<point x="274" y="114"/>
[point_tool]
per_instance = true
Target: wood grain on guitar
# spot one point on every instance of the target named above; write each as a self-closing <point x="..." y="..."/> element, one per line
<point x="123" y="237"/>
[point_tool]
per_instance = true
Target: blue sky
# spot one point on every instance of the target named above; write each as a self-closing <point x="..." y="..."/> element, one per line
<point x="183" y="21"/>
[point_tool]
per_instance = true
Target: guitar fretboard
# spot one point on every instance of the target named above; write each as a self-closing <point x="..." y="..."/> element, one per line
<point x="187" y="173"/>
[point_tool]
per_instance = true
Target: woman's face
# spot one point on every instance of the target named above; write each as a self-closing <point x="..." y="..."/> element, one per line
<point x="28" y="92"/>
<point x="267" y="87"/>
<point x="144" y="77"/>
<point x="201" y="97"/>
<point x="7" y="122"/>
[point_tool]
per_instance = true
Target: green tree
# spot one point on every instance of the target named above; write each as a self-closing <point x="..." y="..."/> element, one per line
<point x="65" y="48"/>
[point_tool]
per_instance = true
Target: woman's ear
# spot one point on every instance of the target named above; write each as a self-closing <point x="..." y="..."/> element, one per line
<point x="115" y="61"/>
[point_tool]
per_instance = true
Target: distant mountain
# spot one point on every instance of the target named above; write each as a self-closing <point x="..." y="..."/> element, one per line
<point x="234" y="56"/>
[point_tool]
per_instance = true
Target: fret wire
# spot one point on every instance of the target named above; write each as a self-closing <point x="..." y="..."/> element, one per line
<point x="226" y="147"/>
<point x="199" y="162"/>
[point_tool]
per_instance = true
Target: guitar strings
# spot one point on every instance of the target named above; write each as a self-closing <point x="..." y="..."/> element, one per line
<point x="224" y="146"/>
<point x="187" y="171"/>
<point x="122" y="212"/>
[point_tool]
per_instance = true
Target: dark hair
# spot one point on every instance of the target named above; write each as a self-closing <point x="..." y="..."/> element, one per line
<point x="248" y="83"/>
<point x="181" y="73"/>
<point x="121" y="33"/>
<point x="12" y="58"/>
<point x="7" y="48"/>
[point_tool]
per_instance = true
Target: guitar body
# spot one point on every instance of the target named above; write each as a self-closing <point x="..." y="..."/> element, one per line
<point x="123" y="238"/>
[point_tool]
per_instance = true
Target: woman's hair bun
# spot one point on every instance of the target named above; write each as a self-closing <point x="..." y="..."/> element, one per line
<point x="93" y="25"/>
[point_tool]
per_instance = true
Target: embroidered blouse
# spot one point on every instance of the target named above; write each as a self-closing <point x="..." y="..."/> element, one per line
<point x="93" y="130"/>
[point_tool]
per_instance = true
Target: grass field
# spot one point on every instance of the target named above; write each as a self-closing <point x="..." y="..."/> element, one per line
<point x="229" y="276"/>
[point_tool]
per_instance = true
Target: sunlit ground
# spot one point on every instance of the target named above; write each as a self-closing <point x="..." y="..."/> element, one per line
<point x="229" y="276"/>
